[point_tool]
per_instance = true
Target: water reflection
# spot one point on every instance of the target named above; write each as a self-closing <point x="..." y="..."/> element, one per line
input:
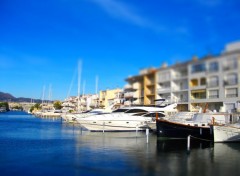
<point x="34" y="146"/>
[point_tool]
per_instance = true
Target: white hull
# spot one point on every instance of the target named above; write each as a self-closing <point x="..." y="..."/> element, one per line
<point x="226" y="134"/>
<point x="116" y="125"/>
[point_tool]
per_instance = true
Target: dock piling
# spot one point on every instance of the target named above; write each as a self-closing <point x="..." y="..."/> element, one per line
<point x="136" y="131"/>
<point x="188" y="142"/>
<point x="147" y="134"/>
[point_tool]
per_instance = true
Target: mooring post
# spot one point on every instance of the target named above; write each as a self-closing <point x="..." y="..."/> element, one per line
<point x="188" y="143"/>
<point x="103" y="126"/>
<point x="136" y="131"/>
<point x="147" y="134"/>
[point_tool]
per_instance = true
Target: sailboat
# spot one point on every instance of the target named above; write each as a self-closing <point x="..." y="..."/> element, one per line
<point x="69" y="116"/>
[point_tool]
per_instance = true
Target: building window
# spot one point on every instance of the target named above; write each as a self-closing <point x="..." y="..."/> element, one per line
<point x="163" y="76"/>
<point x="198" y="68"/>
<point x="200" y="94"/>
<point x="213" y="94"/>
<point x="213" y="67"/>
<point x="213" y="81"/>
<point x="230" y="64"/>
<point x="203" y="81"/>
<point x="231" y="79"/>
<point x="231" y="93"/>
<point x="194" y="82"/>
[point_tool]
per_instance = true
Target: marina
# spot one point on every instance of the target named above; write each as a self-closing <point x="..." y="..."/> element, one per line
<point x="38" y="146"/>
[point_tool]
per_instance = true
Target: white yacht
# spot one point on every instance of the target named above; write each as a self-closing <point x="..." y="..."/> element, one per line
<point x="124" y="119"/>
<point x="71" y="117"/>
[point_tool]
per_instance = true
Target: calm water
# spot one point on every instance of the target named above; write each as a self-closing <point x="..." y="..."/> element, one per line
<point x="34" y="146"/>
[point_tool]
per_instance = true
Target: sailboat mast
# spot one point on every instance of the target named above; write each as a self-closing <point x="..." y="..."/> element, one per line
<point x="43" y="95"/>
<point x="96" y="91"/>
<point x="49" y="93"/>
<point x="84" y="85"/>
<point x="79" y="82"/>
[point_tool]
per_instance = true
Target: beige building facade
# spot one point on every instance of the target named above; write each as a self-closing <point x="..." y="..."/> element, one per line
<point x="212" y="80"/>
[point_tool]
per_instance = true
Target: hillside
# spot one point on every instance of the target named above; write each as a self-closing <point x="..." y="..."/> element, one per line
<point x="10" y="98"/>
<point x="6" y="97"/>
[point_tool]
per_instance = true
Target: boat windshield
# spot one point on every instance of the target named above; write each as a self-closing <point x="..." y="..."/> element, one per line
<point x="120" y="110"/>
<point x="139" y="114"/>
<point x="154" y="114"/>
<point x="135" y="111"/>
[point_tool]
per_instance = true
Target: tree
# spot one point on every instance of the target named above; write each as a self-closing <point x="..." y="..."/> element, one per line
<point x="5" y="104"/>
<point x="57" y="105"/>
<point x="37" y="106"/>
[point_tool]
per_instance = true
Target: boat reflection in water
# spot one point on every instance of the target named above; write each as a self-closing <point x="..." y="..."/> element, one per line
<point x="205" y="158"/>
<point x="34" y="146"/>
<point x="127" y="154"/>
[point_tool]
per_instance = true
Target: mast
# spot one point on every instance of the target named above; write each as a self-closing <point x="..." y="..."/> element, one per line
<point x="79" y="82"/>
<point x="84" y="85"/>
<point x="71" y="84"/>
<point x="96" y="91"/>
<point x="49" y="93"/>
<point x="43" y="95"/>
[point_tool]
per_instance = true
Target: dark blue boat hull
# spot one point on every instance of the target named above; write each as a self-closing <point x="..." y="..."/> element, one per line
<point x="168" y="129"/>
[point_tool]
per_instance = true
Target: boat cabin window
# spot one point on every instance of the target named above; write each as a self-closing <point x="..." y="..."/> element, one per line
<point x="139" y="114"/>
<point x="135" y="111"/>
<point x="120" y="110"/>
<point x="154" y="115"/>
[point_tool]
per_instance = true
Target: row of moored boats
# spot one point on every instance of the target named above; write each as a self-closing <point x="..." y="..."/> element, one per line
<point x="164" y="120"/>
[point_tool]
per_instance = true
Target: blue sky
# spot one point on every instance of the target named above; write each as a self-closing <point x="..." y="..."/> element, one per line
<point x="41" y="41"/>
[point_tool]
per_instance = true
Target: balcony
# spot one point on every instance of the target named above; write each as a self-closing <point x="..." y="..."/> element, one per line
<point x="180" y="76"/>
<point x="230" y="67"/>
<point x="198" y="87"/>
<point x="164" y="90"/>
<point x="128" y="86"/>
<point x="128" y="95"/>
<point x="182" y="88"/>
<point x="184" y="100"/>
<point x="212" y="84"/>
<point x="212" y="70"/>
<point x="231" y="82"/>
<point x="213" y="96"/>
<point x="198" y="97"/>
<point x="231" y="95"/>
<point x="198" y="94"/>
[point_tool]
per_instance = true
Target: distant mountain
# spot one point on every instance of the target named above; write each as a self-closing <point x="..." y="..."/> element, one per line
<point x="6" y="96"/>
<point x="10" y="98"/>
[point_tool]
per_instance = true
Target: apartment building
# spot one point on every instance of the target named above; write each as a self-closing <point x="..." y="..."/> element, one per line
<point x="141" y="89"/>
<point x="215" y="80"/>
<point x="83" y="103"/>
<point x="172" y="84"/>
<point x="110" y="98"/>
<point x="211" y="80"/>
